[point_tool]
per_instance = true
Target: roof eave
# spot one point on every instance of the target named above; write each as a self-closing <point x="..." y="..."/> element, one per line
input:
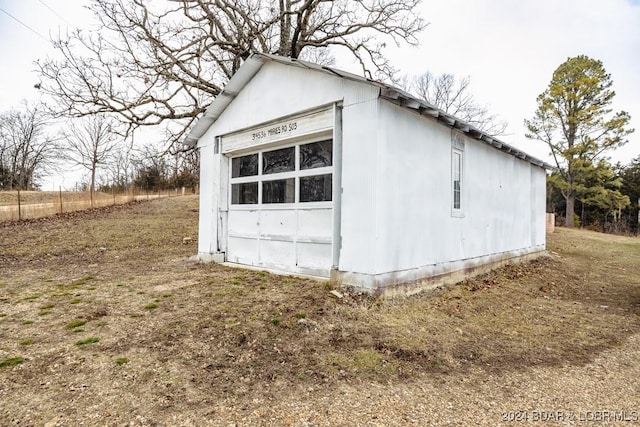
<point x="406" y="100"/>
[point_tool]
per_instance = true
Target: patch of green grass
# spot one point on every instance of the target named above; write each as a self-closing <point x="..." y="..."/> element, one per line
<point x="12" y="361"/>
<point x="32" y="297"/>
<point x="101" y="324"/>
<point x="27" y="341"/>
<point x="151" y="306"/>
<point x="83" y="281"/>
<point x="140" y="292"/>
<point x="91" y="288"/>
<point x="276" y="321"/>
<point x="78" y="330"/>
<point x="301" y="315"/>
<point x="62" y="294"/>
<point x="75" y="323"/>
<point x="28" y="322"/>
<point x="167" y="296"/>
<point x="44" y="312"/>
<point x="75" y="301"/>
<point x="86" y="341"/>
<point x="365" y="361"/>
<point x="121" y="361"/>
<point x="47" y="306"/>
<point x="3" y="314"/>
<point x="369" y="360"/>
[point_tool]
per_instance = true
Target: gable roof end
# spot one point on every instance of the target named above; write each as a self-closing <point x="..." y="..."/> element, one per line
<point x="254" y="63"/>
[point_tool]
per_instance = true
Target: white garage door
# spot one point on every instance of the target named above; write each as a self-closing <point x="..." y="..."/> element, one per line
<point x="280" y="208"/>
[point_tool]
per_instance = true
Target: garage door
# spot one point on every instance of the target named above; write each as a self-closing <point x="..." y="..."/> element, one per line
<point x="280" y="207"/>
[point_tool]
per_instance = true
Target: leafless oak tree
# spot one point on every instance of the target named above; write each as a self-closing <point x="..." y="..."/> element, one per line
<point x="26" y="150"/>
<point x="164" y="61"/>
<point x="90" y="142"/>
<point x="454" y="96"/>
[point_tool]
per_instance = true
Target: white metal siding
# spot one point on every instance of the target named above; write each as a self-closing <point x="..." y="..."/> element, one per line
<point x="414" y="223"/>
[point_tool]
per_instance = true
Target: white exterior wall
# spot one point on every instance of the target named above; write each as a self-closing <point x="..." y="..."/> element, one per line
<point x="417" y="237"/>
<point x="209" y="174"/>
<point x="359" y="162"/>
<point x="396" y="224"/>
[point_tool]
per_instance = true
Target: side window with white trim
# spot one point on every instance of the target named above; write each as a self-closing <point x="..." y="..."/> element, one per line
<point x="457" y="174"/>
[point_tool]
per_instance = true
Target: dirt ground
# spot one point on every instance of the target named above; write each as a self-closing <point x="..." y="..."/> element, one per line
<point x="105" y="321"/>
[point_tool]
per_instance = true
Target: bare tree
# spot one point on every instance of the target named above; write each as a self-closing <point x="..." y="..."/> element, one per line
<point x="121" y="170"/>
<point x="165" y="61"/>
<point x="26" y="150"/>
<point x="90" y="143"/>
<point x="454" y="96"/>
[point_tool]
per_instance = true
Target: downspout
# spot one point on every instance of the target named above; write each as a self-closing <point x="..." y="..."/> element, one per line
<point x="337" y="186"/>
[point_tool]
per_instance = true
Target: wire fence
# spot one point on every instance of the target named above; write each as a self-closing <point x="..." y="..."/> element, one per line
<point x="20" y="205"/>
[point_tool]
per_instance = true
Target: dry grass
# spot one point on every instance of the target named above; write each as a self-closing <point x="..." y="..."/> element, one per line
<point x="39" y="204"/>
<point x="218" y="334"/>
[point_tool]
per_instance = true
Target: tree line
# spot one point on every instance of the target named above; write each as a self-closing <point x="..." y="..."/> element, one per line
<point x="607" y="201"/>
<point x="34" y="144"/>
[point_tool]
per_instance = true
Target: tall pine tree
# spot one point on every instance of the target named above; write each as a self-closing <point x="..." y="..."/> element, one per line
<point x="575" y="120"/>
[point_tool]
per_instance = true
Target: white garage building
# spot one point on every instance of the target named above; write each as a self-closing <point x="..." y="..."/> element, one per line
<point x="308" y="169"/>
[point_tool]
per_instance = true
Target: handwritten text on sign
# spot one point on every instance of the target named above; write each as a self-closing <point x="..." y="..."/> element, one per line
<point x="274" y="130"/>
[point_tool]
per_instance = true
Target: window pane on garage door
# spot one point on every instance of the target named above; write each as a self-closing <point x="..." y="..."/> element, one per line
<point x="244" y="194"/>
<point x="316" y="155"/>
<point x="244" y="166"/>
<point x="279" y="191"/>
<point x="315" y="188"/>
<point x="279" y="161"/>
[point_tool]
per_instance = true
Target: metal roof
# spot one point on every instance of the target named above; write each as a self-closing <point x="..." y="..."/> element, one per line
<point x="398" y="96"/>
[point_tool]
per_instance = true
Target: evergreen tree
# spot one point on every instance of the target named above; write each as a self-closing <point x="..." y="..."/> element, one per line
<point x="574" y="119"/>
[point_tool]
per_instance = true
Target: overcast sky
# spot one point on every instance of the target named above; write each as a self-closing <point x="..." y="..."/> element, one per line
<point x="508" y="48"/>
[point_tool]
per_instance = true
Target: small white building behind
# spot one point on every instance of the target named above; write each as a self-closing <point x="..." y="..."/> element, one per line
<point x="308" y="169"/>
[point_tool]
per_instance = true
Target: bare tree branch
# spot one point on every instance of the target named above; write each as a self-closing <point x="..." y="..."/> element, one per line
<point x="454" y="96"/>
<point x="163" y="62"/>
<point x="26" y="150"/>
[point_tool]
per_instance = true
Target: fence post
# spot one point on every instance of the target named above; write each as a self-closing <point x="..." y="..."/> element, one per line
<point x="60" y="190"/>
<point x="19" y="207"/>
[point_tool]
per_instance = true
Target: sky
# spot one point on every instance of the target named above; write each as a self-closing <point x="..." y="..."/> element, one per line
<point x="508" y="48"/>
